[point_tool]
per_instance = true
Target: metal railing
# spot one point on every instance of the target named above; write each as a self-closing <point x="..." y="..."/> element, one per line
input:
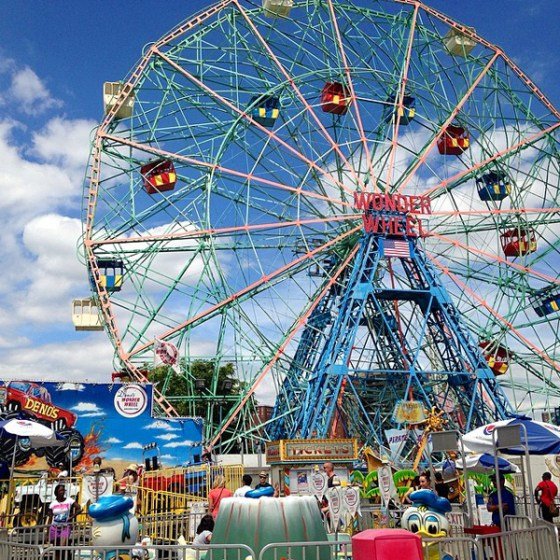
<point x="516" y="522"/>
<point x="458" y="548"/>
<point x="167" y="528"/>
<point x="313" y="550"/>
<point x="539" y="542"/>
<point x="38" y="535"/>
<point x="24" y="500"/>
<point x="161" y="552"/>
<point x="172" y="489"/>
<point x="534" y="543"/>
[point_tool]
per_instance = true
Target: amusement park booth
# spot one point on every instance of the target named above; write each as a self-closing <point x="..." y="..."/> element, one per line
<point x="293" y="461"/>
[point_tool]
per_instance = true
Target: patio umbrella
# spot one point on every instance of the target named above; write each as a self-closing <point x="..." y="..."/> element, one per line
<point x="542" y="438"/>
<point x="39" y="435"/>
<point x="484" y="463"/>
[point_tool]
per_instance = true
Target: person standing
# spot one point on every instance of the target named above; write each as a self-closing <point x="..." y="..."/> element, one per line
<point x="217" y="494"/>
<point x="332" y="479"/>
<point x="62" y="511"/>
<point x="263" y="481"/>
<point x="508" y="501"/>
<point x="242" y="490"/>
<point x="545" y="494"/>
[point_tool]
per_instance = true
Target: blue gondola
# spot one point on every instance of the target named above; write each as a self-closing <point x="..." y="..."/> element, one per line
<point x="111" y="274"/>
<point x="265" y="109"/>
<point x="406" y="112"/>
<point x="546" y="301"/>
<point x="493" y="186"/>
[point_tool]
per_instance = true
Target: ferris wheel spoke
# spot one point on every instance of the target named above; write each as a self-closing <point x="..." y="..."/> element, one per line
<point x="423" y="155"/>
<point x="248" y="289"/>
<point x="495" y="258"/>
<point x="245" y="116"/>
<point x="350" y="83"/>
<point x="299" y="191"/>
<point x="491" y="212"/>
<point x="498" y="157"/>
<point x="471" y="33"/>
<point x="288" y="338"/>
<point x="292" y="82"/>
<point x="512" y="329"/>
<point x="399" y="98"/>
<point x="223" y="231"/>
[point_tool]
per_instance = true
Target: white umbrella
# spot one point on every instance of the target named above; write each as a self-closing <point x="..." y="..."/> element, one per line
<point x="38" y="434"/>
<point x="484" y="462"/>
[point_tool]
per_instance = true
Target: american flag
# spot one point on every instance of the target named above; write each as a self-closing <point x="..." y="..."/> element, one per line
<point x="396" y="248"/>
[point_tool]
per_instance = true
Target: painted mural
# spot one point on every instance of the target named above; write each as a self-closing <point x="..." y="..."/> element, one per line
<point x="112" y="421"/>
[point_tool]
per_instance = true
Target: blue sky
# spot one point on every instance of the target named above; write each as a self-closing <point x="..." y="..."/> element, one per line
<point x="54" y="57"/>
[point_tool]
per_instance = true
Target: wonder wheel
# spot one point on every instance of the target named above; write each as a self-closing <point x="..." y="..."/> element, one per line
<point x="354" y="204"/>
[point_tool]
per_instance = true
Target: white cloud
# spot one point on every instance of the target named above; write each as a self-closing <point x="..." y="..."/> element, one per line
<point x="161" y="425"/>
<point x="184" y="443"/>
<point x="70" y="387"/>
<point x="167" y="437"/>
<point x="113" y="441"/>
<point x="30" y="93"/>
<point x="133" y="445"/>
<point x="10" y="341"/>
<point x="168" y="457"/>
<point x="89" y="360"/>
<point x="86" y="407"/>
<point x="64" y="142"/>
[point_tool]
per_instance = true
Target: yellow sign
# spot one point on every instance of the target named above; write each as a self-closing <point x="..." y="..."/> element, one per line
<point x="311" y="450"/>
<point x="409" y="412"/>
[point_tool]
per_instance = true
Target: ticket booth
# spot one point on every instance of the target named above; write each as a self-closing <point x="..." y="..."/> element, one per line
<point x="293" y="461"/>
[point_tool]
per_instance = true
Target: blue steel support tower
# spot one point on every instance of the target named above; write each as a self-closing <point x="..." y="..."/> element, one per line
<point x="387" y="331"/>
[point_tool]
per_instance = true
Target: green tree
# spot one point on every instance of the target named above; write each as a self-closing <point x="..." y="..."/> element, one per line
<point x="203" y="387"/>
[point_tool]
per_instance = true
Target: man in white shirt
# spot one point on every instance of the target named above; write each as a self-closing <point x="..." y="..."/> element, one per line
<point x="240" y="492"/>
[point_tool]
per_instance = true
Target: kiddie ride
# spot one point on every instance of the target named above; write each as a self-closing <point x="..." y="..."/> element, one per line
<point x="294" y="519"/>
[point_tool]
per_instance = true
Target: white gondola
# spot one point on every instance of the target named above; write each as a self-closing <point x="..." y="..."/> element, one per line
<point x="111" y="93"/>
<point x="277" y="8"/>
<point x="86" y="316"/>
<point x="457" y="43"/>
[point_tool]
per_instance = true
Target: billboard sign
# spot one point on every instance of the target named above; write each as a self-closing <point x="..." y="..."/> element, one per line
<point x="113" y="421"/>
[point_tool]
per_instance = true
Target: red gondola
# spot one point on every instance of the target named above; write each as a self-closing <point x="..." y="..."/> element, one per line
<point x="159" y="176"/>
<point x="518" y="242"/>
<point x="335" y="98"/>
<point x="497" y="357"/>
<point x="454" y="141"/>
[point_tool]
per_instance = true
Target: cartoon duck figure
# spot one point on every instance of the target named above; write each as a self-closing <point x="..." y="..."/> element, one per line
<point x="113" y="525"/>
<point x="426" y="517"/>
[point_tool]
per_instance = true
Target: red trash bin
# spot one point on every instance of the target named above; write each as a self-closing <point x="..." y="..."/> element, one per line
<point x="386" y="544"/>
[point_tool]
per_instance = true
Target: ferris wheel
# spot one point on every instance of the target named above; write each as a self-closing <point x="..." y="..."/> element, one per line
<point x="354" y="203"/>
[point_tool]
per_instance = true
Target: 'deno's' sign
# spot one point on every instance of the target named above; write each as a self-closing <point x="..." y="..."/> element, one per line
<point x="392" y="214"/>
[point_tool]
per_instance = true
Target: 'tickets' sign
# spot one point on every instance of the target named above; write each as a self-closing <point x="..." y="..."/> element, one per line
<point x="311" y="451"/>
